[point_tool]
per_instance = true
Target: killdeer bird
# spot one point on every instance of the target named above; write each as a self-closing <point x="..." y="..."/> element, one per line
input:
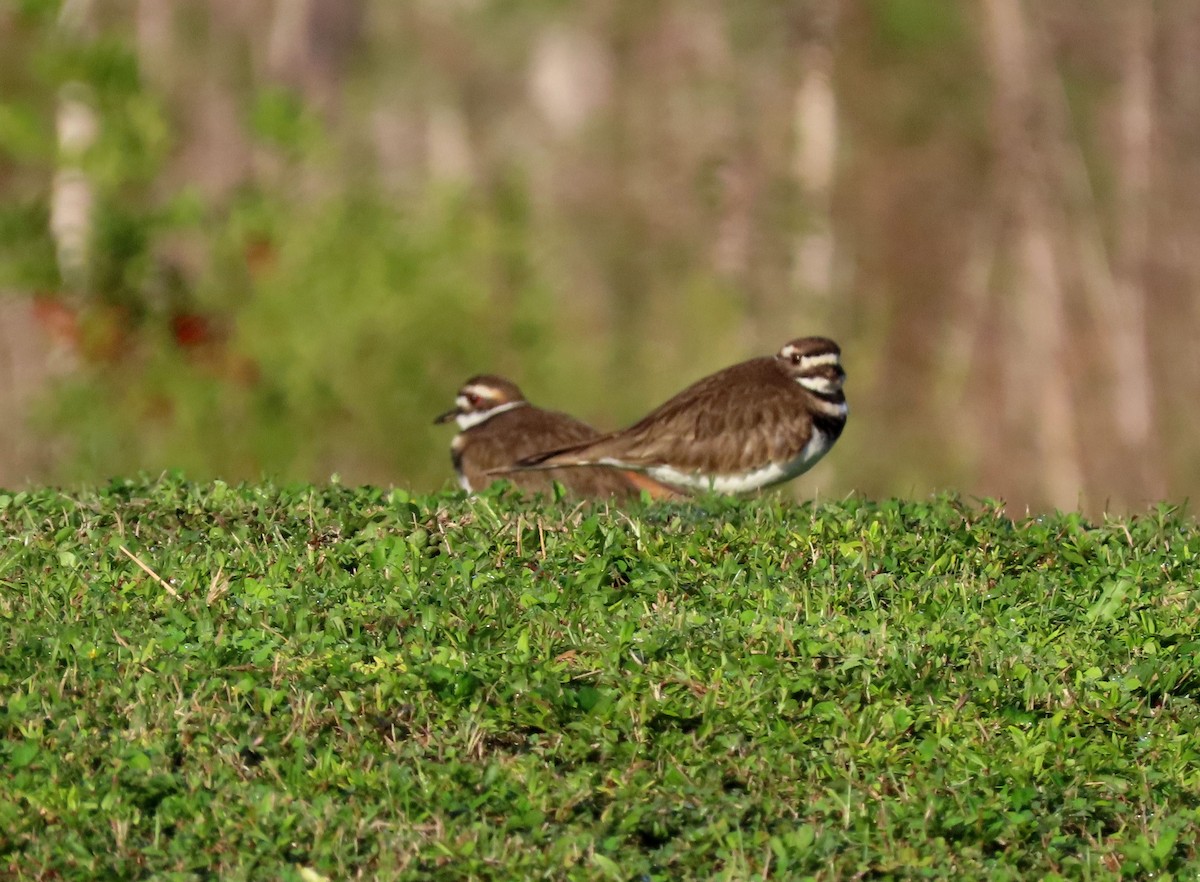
<point x="498" y="427"/>
<point x="752" y="425"/>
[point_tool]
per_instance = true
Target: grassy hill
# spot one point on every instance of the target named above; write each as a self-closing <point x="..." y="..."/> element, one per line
<point x="300" y="682"/>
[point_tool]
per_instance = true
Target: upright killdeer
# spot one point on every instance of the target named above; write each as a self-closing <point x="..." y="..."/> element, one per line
<point x="498" y="427"/>
<point x="749" y="426"/>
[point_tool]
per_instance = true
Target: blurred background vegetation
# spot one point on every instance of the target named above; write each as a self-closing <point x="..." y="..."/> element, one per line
<point x="242" y="237"/>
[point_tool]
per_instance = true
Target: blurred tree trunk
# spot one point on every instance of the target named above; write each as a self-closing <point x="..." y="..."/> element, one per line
<point x="1134" y="394"/>
<point x="310" y="45"/>
<point x="1173" y="274"/>
<point x="623" y="228"/>
<point x="72" y="195"/>
<point x="1111" y="348"/>
<point x="1040" y="424"/>
<point x="816" y="149"/>
<point x="214" y="147"/>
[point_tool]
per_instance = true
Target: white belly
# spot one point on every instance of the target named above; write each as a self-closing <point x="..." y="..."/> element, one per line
<point x="745" y="482"/>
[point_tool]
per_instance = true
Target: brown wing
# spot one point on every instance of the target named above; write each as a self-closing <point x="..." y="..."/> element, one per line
<point x="491" y="448"/>
<point x="747" y="412"/>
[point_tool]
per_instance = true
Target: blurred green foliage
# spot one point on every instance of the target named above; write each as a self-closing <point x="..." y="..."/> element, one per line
<point x="329" y="356"/>
<point x="316" y="332"/>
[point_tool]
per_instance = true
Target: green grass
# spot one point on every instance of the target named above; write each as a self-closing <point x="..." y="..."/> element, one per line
<point x="353" y="683"/>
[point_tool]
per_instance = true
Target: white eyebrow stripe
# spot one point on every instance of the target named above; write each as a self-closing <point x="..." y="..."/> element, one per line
<point x="814" y="360"/>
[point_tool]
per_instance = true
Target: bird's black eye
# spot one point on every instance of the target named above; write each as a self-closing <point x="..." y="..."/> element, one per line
<point x="473" y="399"/>
<point x="797" y="358"/>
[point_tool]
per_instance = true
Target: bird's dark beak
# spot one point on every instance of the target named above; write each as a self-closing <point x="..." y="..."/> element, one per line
<point x="446" y="417"/>
<point x="838" y="379"/>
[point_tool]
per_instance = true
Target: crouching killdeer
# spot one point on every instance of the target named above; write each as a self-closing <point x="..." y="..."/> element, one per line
<point x="498" y="427"/>
<point x="752" y="425"/>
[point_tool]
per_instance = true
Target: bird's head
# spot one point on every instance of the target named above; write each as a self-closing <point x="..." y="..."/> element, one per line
<point x="815" y="363"/>
<point x="480" y="399"/>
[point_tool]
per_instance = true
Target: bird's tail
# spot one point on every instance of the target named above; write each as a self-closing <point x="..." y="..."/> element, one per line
<point x="584" y="456"/>
<point x="559" y="458"/>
